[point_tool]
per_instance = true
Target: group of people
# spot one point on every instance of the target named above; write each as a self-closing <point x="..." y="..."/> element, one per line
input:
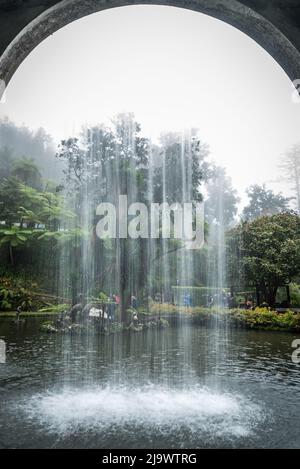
<point x="83" y="310"/>
<point x="107" y="310"/>
<point x="224" y="299"/>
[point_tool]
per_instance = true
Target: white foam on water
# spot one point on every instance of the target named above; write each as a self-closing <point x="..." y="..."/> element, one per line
<point x="197" y="410"/>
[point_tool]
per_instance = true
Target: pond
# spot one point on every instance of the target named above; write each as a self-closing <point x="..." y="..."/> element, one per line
<point x="176" y="388"/>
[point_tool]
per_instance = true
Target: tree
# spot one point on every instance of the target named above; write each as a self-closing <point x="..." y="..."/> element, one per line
<point x="291" y="169"/>
<point x="265" y="252"/>
<point x="264" y="202"/>
<point x="6" y="162"/>
<point x="20" y="140"/>
<point x="221" y="200"/>
<point x="104" y="163"/>
<point x="24" y="204"/>
<point x="29" y="217"/>
<point x="27" y="172"/>
<point x="181" y="169"/>
<point x="14" y="238"/>
<point x="11" y="199"/>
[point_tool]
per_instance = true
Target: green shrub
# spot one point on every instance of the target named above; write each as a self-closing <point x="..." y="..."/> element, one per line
<point x="260" y="318"/>
<point x="103" y="297"/>
<point x="15" y="292"/>
<point x="263" y="318"/>
<point x="60" y="308"/>
<point x="13" y="295"/>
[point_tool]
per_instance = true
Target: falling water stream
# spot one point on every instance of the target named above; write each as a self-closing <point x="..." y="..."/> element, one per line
<point x="177" y="387"/>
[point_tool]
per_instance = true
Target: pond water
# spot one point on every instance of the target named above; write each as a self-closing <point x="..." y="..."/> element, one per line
<point x="176" y="388"/>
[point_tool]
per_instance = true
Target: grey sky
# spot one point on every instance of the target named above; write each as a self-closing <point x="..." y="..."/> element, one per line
<point x="172" y="68"/>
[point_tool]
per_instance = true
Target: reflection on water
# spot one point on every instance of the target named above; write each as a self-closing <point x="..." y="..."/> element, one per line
<point x="153" y="389"/>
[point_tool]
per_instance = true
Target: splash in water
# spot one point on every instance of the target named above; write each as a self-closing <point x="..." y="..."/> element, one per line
<point x="151" y="409"/>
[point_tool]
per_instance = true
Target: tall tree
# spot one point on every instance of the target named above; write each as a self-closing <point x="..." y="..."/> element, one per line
<point x="182" y="167"/>
<point x="221" y="203"/>
<point x="103" y="164"/>
<point x="6" y="162"/>
<point x="21" y="204"/>
<point x="291" y="169"/>
<point x="26" y="171"/>
<point x="36" y="143"/>
<point x="265" y="253"/>
<point x="264" y="202"/>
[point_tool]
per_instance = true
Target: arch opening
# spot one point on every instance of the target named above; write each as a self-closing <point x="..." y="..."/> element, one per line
<point x="119" y="285"/>
<point x="230" y="11"/>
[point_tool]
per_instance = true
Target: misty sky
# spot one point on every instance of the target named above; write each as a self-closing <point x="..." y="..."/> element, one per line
<point x="173" y="68"/>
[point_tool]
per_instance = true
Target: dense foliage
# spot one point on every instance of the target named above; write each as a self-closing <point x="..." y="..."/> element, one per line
<point x="265" y="253"/>
<point x="48" y="227"/>
<point x="264" y="202"/>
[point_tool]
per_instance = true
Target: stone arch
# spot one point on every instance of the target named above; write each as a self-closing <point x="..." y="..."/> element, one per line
<point x="234" y="12"/>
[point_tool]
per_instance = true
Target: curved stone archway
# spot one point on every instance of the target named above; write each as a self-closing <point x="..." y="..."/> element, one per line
<point x="236" y="13"/>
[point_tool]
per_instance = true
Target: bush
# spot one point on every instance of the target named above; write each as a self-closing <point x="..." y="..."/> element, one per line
<point x="263" y="318"/>
<point x="15" y="292"/>
<point x="162" y="308"/>
<point x="260" y="318"/>
<point x="103" y="297"/>
<point x="60" y="308"/>
<point x="13" y="295"/>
